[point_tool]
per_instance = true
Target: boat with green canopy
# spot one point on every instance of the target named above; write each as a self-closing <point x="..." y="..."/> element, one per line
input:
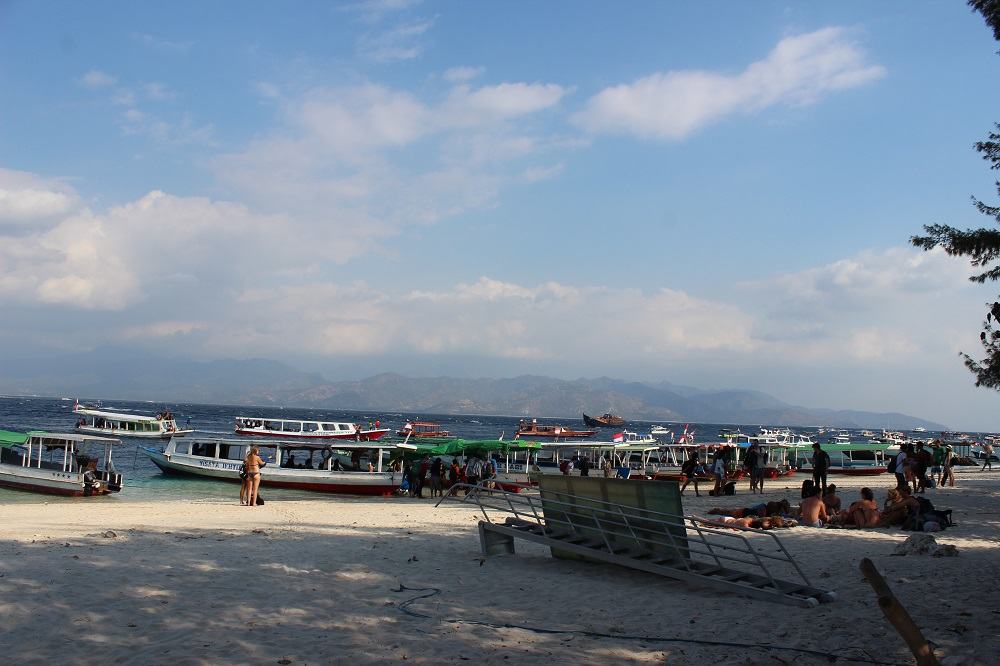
<point x="57" y="463"/>
<point x="515" y="459"/>
<point x="854" y="458"/>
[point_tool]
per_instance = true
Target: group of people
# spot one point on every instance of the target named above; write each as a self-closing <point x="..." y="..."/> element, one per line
<point x="440" y="476"/>
<point x="821" y="507"/>
<point x="912" y="464"/>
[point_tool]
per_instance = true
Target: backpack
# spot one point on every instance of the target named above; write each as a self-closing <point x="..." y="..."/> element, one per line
<point x="729" y="488"/>
<point x="891" y="465"/>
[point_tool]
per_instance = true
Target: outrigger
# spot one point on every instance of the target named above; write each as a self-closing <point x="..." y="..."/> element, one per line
<point x="58" y="464"/>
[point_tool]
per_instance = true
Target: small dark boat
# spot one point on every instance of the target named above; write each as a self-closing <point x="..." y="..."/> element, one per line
<point x="531" y="429"/>
<point x="606" y="421"/>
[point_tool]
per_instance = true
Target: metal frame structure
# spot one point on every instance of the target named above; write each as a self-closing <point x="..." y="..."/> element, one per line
<point x="686" y="548"/>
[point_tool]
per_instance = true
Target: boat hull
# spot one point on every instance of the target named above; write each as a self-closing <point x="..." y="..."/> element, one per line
<point x="48" y="482"/>
<point x="364" y="436"/>
<point x="344" y="483"/>
<point x="119" y="432"/>
<point x="857" y="471"/>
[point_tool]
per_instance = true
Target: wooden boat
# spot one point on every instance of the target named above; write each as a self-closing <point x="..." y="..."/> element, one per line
<point x="58" y="464"/>
<point x="347" y="468"/>
<point x="422" y="429"/>
<point x="532" y="429"/>
<point x="312" y="430"/>
<point x="606" y="421"/>
<point x="97" y="422"/>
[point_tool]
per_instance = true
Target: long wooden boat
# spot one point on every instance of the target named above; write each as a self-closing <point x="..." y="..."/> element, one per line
<point x="312" y="430"/>
<point x="341" y="467"/>
<point x="608" y="420"/>
<point x="420" y="429"/>
<point x="534" y="430"/>
<point x="98" y="422"/>
<point x="58" y="464"/>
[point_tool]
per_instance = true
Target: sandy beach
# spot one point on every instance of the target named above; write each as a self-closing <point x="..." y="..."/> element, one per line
<point x="319" y="581"/>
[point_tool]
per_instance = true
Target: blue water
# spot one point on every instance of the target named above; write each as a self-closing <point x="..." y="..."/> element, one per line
<point x="144" y="481"/>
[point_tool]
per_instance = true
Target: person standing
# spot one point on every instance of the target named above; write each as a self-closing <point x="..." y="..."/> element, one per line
<point x="719" y="470"/>
<point x="253" y="463"/>
<point x="584" y="466"/>
<point x="937" y="455"/>
<point x="900" y="468"/>
<point x="821" y="465"/>
<point x="437" y="470"/>
<point x="750" y="463"/>
<point x="988" y="455"/>
<point x="949" y="473"/>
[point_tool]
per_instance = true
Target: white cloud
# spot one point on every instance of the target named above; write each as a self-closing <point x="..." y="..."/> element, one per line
<point x="462" y="74"/>
<point x="403" y="42"/>
<point x="373" y="11"/>
<point x="671" y="105"/>
<point x="161" y="44"/>
<point x="95" y="79"/>
<point x="158" y="92"/>
<point x="28" y="201"/>
<point x="488" y="104"/>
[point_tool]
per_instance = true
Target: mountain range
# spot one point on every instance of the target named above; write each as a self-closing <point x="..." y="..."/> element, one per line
<point x="261" y="382"/>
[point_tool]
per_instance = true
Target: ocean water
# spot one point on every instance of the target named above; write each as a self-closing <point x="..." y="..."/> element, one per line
<point x="145" y="482"/>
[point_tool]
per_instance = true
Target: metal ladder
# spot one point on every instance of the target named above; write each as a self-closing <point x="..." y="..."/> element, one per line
<point x="684" y="548"/>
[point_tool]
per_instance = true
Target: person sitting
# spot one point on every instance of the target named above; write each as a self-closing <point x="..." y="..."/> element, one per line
<point x="830" y="500"/>
<point x="807" y="487"/>
<point x="898" y="505"/>
<point x="337" y="466"/>
<point x="862" y="513"/>
<point x="290" y="461"/>
<point x="812" y="510"/>
<point x="308" y="464"/>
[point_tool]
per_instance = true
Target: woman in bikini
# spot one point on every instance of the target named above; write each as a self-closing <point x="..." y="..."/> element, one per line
<point x="253" y="463"/>
<point x="863" y="513"/>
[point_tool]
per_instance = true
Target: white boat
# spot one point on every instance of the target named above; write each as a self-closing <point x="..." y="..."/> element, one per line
<point x="919" y="429"/>
<point x="296" y="429"/>
<point x="97" y="422"/>
<point x="630" y="438"/>
<point x="348" y="468"/>
<point x="58" y="464"/>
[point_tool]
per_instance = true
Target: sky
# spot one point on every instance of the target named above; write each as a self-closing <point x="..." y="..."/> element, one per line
<point x="715" y="194"/>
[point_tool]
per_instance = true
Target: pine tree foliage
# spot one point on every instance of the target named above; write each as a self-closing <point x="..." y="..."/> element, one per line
<point x="982" y="246"/>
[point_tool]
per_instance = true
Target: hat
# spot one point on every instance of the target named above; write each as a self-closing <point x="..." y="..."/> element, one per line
<point x="949" y="447"/>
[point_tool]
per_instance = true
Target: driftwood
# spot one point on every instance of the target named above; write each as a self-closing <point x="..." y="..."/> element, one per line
<point x="898" y="617"/>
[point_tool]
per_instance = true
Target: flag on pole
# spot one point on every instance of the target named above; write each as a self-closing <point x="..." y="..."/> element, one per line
<point x="618" y="437"/>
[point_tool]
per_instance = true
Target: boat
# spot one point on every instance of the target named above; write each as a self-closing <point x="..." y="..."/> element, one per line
<point x="851" y="459"/>
<point x="633" y="438"/>
<point x="608" y="420"/>
<point x="58" y="464"/>
<point x="533" y="430"/>
<point x="95" y="421"/>
<point x="341" y="467"/>
<point x="422" y="429"/>
<point x="919" y="429"/>
<point x="297" y="429"/>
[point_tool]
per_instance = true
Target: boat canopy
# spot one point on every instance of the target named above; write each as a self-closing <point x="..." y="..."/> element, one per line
<point x="289" y="444"/>
<point x="455" y="446"/>
<point x="9" y="439"/>
<point x="117" y="416"/>
<point x="71" y="437"/>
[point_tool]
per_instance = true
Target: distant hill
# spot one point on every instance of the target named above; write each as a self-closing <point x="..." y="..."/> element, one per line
<point x="263" y="382"/>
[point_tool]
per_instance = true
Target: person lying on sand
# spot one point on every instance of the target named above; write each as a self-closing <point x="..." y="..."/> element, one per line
<point x="863" y="513"/>
<point x="812" y="510"/>
<point x="766" y="523"/>
<point x="757" y="510"/>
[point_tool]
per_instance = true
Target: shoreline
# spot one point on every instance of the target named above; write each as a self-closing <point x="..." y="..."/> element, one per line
<point x="319" y="581"/>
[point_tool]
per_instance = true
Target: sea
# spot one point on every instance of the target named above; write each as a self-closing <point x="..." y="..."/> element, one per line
<point x="145" y="482"/>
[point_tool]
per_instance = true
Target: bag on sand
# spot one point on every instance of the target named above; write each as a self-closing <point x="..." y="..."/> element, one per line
<point x="260" y="500"/>
<point x="729" y="488"/>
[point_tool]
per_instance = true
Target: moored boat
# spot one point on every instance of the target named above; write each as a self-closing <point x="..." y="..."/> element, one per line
<point x="341" y="467"/>
<point x="422" y="429"/>
<point x="607" y="420"/>
<point x="95" y="421"/>
<point x="58" y="464"/>
<point x="298" y="429"/>
<point x="532" y="429"/>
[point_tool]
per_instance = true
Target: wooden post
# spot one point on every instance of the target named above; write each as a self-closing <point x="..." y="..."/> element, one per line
<point x="898" y="617"/>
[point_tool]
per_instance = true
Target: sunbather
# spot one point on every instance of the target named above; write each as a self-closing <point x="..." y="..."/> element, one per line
<point x="863" y="513"/>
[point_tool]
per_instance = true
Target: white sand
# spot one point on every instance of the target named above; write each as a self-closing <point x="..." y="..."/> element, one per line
<point x="310" y="582"/>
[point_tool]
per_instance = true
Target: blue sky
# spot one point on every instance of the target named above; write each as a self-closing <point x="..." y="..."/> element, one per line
<point x="717" y="195"/>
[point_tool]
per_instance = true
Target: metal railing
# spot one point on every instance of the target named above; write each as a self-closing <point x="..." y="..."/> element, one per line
<point x="696" y="545"/>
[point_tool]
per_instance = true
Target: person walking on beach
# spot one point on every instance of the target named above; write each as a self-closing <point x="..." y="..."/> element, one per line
<point x="988" y="455"/>
<point x="753" y="467"/>
<point x="719" y="470"/>
<point x="253" y="463"/>
<point x="821" y="465"/>
<point x="690" y="471"/>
